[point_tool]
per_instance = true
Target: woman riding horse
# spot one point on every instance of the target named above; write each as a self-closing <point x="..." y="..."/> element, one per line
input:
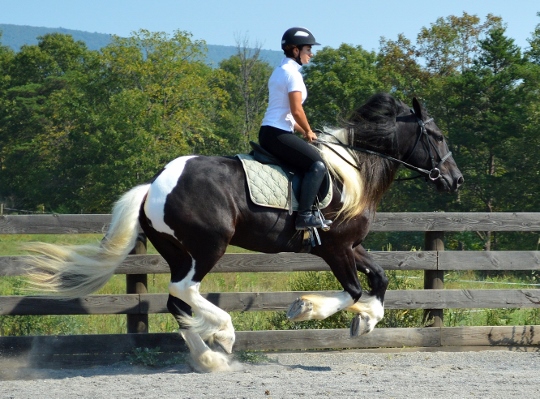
<point x="285" y="115"/>
<point x="196" y="206"/>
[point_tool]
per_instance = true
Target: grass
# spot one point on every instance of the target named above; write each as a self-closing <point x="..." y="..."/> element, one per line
<point x="488" y="317"/>
<point x="242" y="282"/>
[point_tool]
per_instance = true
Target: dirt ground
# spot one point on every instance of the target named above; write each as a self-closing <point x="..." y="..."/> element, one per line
<point x="350" y="374"/>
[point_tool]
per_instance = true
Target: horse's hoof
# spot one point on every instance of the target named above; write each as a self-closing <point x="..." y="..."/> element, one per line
<point x="225" y="341"/>
<point x="360" y="325"/>
<point x="300" y="310"/>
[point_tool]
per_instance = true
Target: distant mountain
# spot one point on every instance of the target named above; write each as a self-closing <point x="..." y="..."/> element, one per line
<point x="217" y="53"/>
<point x="15" y="36"/>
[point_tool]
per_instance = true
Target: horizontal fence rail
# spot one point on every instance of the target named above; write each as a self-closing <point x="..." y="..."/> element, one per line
<point x="392" y="260"/>
<point x="384" y="221"/>
<point x="137" y="304"/>
<point x="265" y="301"/>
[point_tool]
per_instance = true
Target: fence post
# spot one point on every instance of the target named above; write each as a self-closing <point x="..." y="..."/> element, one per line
<point x="434" y="279"/>
<point x="137" y="284"/>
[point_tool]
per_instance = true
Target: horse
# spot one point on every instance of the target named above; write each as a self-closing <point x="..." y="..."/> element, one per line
<point x="198" y="205"/>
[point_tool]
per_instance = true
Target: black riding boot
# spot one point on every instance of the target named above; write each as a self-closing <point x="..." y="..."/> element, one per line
<point x="308" y="192"/>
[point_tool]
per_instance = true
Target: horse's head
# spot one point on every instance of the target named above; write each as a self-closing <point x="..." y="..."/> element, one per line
<point x="423" y="146"/>
<point x="381" y="135"/>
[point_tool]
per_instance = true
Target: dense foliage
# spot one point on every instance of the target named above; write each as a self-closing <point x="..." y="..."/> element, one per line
<point x="78" y="127"/>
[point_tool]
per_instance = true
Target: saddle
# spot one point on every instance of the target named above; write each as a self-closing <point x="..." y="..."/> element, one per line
<point x="273" y="185"/>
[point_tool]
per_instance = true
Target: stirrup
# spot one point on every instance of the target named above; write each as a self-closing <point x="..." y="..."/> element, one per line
<point x="305" y="222"/>
<point x="326" y="222"/>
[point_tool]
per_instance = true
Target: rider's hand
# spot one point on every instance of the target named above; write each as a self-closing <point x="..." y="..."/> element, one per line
<point x="310" y="136"/>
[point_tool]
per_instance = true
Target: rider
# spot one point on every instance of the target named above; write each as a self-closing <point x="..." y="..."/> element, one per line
<point x="285" y="115"/>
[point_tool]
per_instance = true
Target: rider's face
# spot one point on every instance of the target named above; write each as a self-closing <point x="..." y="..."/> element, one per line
<point x="305" y="54"/>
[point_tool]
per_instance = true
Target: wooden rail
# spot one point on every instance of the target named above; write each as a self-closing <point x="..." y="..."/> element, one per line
<point x="137" y="303"/>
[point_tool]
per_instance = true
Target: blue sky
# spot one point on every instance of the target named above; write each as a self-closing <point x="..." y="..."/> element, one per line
<point x="228" y="22"/>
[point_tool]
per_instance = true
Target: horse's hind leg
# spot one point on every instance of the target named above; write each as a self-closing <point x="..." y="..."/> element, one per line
<point x="204" y="358"/>
<point x="210" y="322"/>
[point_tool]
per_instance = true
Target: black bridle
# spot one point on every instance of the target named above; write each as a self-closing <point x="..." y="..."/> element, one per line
<point x="433" y="174"/>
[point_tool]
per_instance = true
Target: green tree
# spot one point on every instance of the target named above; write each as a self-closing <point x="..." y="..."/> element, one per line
<point x="55" y="55"/>
<point x="339" y="81"/>
<point x="82" y="127"/>
<point x="149" y="100"/>
<point x="244" y="77"/>
<point x="30" y="147"/>
<point x="6" y="58"/>
<point x="533" y="53"/>
<point x="451" y="44"/>
<point x="488" y="110"/>
<point x="449" y="49"/>
<point x="399" y="69"/>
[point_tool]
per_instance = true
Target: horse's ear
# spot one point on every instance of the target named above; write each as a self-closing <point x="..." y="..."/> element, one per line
<point x="417" y="108"/>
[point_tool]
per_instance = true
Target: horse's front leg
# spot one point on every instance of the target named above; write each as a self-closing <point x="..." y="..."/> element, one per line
<point x="370" y="307"/>
<point x="319" y="307"/>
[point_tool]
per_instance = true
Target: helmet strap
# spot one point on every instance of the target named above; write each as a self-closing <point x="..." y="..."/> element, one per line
<point x="297" y="59"/>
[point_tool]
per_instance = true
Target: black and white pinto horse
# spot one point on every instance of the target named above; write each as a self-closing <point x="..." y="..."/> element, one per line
<point x="197" y="205"/>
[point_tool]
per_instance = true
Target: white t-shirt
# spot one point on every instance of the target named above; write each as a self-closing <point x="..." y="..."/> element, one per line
<point x="285" y="79"/>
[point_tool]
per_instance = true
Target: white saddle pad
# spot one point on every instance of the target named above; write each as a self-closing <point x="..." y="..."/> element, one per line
<point x="269" y="185"/>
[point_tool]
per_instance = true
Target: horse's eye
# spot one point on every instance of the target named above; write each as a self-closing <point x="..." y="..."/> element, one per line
<point x="439" y="138"/>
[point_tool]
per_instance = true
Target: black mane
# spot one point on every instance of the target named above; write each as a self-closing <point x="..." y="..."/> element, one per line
<point x="373" y="127"/>
<point x="374" y="123"/>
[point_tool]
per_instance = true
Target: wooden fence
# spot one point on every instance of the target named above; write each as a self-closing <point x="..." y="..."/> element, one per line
<point x="137" y="304"/>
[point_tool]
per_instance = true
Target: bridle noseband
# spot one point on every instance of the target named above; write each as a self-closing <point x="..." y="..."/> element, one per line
<point x="433" y="174"/>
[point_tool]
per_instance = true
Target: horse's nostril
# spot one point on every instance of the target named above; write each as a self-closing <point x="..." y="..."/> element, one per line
<point x="460" y="181"/>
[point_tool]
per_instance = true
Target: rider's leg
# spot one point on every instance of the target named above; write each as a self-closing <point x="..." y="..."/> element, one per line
<point x="299" y="155"/>
<point x="311" y="183"/>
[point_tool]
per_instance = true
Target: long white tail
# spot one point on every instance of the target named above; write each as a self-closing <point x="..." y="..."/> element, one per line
<point x="78" y="270"/>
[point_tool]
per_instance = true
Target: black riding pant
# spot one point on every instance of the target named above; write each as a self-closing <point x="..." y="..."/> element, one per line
<point x="291" y="149"/>
<point x="298" y="155"/>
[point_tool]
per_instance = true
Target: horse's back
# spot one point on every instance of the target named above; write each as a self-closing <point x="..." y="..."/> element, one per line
<point x="194" y="191"/>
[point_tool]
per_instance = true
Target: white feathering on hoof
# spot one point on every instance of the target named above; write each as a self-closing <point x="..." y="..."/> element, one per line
<point x="78" y="270"/>
<point x="204" y="359"/>
<point x="208" y="330"/>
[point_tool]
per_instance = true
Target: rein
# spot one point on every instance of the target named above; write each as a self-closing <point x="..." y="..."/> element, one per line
<point x="433" y="174"/>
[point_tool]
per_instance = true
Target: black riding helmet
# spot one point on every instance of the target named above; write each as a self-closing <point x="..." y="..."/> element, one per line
<point x="298" y="37"/>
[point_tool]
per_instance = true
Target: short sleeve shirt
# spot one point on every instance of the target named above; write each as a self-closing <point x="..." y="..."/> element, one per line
<point x="285" y="79"/>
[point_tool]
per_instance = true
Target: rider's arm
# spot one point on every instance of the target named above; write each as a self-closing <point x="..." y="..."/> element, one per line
<point x="297" y="111"/>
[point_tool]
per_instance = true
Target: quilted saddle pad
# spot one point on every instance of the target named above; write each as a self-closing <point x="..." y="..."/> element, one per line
<point x="270" y="186"/>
